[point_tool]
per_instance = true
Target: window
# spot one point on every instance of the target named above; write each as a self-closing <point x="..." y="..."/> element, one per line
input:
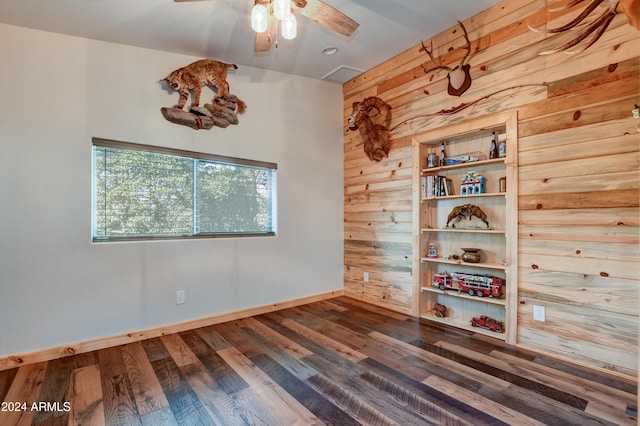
<point x="146" y="192"/>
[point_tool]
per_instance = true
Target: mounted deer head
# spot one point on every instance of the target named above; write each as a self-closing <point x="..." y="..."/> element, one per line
<point x="594" y="28"/>
<point x="459" y="77"/>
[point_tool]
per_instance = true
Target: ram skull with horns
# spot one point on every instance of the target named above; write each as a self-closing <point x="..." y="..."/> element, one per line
<point x="371" y="117"/>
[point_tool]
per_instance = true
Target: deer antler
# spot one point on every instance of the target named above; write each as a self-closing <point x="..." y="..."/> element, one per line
<point x="438" y="66"/>
<point x="460" y="76"/>
<point x="597" y="26"/>
<point x="468" y="47"/>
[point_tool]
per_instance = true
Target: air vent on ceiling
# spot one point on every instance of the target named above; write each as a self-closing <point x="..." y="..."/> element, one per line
<point x="342" y="74"/>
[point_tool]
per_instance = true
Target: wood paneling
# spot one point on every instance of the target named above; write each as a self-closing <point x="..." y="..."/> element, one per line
<point x="579" y="163"/>
<point x="337" y="362"/>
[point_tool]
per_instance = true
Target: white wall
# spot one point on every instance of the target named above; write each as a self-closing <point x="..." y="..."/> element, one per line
<point x="56" y="287"/>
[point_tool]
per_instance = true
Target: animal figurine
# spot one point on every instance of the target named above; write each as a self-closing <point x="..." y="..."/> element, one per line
<point x="441" y="310"/>
<point x="466" y="211"/>
<point x="205" y="72"/>
<point x="371" y="117"/>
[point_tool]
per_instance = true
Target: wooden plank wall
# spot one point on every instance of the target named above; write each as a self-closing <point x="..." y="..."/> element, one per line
<point x="579" y="176"/>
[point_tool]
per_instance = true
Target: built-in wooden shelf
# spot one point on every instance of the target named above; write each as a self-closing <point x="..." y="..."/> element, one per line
<point x="470" y="165"/>
<point x="450" y="197"/>
<point x="465" y="325"/>
<point x="464" y="230"/>
<point x="461" y="263"/>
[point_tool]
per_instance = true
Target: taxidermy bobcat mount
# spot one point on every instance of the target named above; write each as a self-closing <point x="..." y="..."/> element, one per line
<point x="205" y="72"/>
<point x="371" y="117"/>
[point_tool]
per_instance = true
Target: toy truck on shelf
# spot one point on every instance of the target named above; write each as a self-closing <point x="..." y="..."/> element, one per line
<point x="474" y="285"/>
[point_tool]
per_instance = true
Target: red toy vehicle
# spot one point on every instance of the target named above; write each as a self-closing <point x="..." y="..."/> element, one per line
<point x="474" y="285"/>
<point x="489" y="323"/>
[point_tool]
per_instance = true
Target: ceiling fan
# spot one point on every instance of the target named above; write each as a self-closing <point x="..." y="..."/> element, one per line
<point x="316" y="10"/>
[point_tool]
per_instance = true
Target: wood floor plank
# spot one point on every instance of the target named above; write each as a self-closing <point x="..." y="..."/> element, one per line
<point x="119" y="403"/>
<point x="492" y="408"/>
<point x="344" y="350"/>
<point x="365" y="413"/>
<point x="146" y="388"/>
<point x="309" y="398"/>
<point x="184" y="402"/>
<point x="226" y="378"/>
<point x="85" y="397"/>
<point x="581" y="387"/>
<point x="178" y="349"/>
<point x="222" y="408"/>
<point x="504" y="370"/>
<point x="261" y="345"/>
<point x="430" y="410"/>
<point x="281" y="341"/>
<point x="279" y="401"/>
<point x="428" y="396"/>
<point x="23" y="392"/>
<point x="6" y="379"/>
<point x="437" y="360"/>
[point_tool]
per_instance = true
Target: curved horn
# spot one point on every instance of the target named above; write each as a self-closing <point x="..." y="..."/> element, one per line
<point x="600" y="24"/>
<point x="381" y="113"/>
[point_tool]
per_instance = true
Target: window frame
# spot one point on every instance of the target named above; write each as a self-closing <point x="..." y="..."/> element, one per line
<point x="221" y="159"/>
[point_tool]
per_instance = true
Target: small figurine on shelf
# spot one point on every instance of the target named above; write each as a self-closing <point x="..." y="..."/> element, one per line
<point x="443" y="156"/>
<point x="466" y="211"/>
<point x="441" y="310"/>
<point x="433" y="250"/>
<point x="466" y="187"/>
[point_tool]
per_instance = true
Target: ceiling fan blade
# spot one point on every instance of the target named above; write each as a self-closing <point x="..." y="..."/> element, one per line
<point x="327" y="16"/>
<point x="265" y="39"/>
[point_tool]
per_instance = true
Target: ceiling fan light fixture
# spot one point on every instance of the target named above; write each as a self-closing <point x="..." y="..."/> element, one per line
<point x="259" y="18"/>
<point x="281" y="8"/>
<point x="289" y="27"/>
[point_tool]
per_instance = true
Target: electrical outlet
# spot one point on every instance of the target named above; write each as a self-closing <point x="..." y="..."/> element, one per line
<point x="179" y="297"/>
<point x="366" y="277"/>
<point x="538" y="313"/>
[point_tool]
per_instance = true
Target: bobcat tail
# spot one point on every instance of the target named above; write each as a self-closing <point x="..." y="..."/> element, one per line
<point x="232" y="66"/>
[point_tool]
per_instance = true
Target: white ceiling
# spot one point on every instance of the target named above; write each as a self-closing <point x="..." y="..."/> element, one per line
<point x="220" y="29"/>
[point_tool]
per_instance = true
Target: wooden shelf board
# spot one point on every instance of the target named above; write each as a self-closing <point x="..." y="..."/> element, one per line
<point x="461" y="263"/>
<point x="468" y="165"/>
<point x="463" y="295"/>
<point x="467" y="230"/>
<point x="464" y="325"/>
<point x="451" y="197"/>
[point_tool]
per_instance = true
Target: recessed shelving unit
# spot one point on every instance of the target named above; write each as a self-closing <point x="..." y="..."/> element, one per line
<point x="497" y="243"/>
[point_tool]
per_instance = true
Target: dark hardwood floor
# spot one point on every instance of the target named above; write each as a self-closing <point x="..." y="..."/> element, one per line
<point x="337" y="362"/>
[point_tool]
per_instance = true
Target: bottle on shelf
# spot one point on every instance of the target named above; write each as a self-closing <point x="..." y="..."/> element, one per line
<point x="443" y="156"/>
<point x="493" y="151"/>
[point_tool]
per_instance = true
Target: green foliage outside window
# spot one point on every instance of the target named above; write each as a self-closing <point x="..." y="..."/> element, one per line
<point x="141" y="194"/>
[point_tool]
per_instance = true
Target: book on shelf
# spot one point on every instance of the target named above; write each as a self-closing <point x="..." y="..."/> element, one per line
<point x="436" y="186"/>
